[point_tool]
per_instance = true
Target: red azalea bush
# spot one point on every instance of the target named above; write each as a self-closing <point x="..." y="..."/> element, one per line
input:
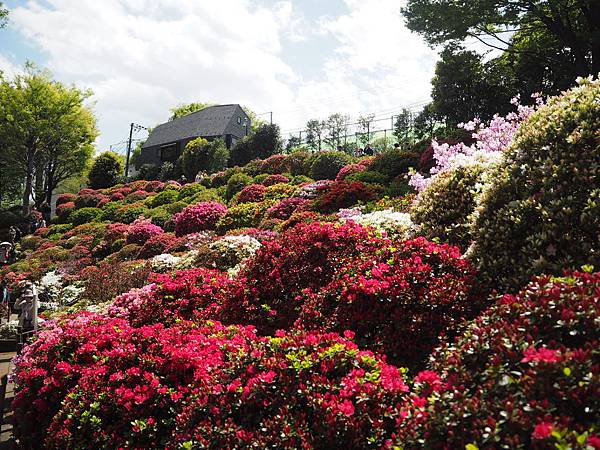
<point x="310" y="391"/>
<point x="88" y="199"/>
<point x="526" y="374"/>
<point x="286" y="207"/>
<point x="200" y="217"/>
<point x="251" y="194"/>
<point x="349" y="170"/>
<point x="93" y="382"/>
<point x="272" y="180"/>
<point x="397" y="300"/>
<point x="109" y="279"/>
<point x="64" y="209"/>
<point x="65" y="198"/>
<point x="274" y="164"/>
<point x="188" y="294"/>
<point x="117" y="197"/>
<point x="141" y="230"/>
<point x="116" y="231"/>
<point x="343" y="194"/>
<point x="154" y="186"/>
<point x="306" y="256"/>
<point x="137" y="196"/>
<point x="158" y="244"/>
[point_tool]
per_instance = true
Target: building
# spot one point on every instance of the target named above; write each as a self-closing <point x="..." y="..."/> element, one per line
<point x="168" y="140"/>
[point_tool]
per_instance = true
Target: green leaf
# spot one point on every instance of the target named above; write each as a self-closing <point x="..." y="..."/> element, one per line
<point x="471" y="447"/>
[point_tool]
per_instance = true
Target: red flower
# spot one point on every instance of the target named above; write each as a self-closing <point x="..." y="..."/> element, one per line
<point x="542" y="355"/>
<point x="542" y="430"/>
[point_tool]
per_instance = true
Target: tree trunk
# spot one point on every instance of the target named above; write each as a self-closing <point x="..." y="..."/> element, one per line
<point x="28" y="181"/>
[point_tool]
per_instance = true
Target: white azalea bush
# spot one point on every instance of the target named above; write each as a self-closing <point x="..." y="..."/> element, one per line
<point x="393" y="224"/>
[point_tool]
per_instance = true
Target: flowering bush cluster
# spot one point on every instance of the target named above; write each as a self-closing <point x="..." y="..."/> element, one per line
<point x="200" y="217"/>
<point x="342" y="194"/>
<point x="286" y="207"/>
<point x="393" y="224"/>
<point x="524" y="375"/>
<point x="272" y="180"/>
<point x="349" y="170"/>
<point x="112" y="385"/>
<point x="252" y="193"/>
<point x="141" y="231"/>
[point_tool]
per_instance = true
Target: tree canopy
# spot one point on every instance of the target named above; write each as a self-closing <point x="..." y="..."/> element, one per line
<point x="574" y="24"/>
<point x="46" y="130"/>
<point x="3" y="15"/>
<point x="105" y="171"/>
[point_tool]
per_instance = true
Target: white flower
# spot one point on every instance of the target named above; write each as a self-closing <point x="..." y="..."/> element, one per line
<point x="164" y="263"/>
<point x="394" y="224"/>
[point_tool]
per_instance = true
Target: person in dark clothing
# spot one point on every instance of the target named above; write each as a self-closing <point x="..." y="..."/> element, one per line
<point x="369" y="150"/>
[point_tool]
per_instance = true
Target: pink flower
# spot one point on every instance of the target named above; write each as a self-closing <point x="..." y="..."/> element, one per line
<point x="593" y="441"/>
<point x="346" y="408"/>
<point x="542" y="355"/>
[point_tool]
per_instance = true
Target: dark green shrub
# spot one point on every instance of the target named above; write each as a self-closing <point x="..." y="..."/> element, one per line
<point x="299" y="163"/>
<point x="160" y="216"/>
<point x="368" y="177"/>
<point x="236" y="183"/>
<point x="540" y="214"/>
<point x="105" y="171"/>
<point x="84" y="215"/>
<point x="326" y="165"/>
<point x="442" y="210"/>
<point x="395" y="162"/>
<point x="398" y="187"/>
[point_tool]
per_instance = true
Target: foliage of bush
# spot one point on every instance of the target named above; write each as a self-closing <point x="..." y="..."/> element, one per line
<point x="129" y="213"/>
<point x="236" y="183"/>
<point x="444" y="208"/>
<point x="109" y="279"/>
<point x="105" y="171"/>
<point x="326" y="165"/>
<point x="398" y="187"/>
<point x="160" y="216"/>
<point x="189" y="190"/>
<point x="202" y="155"/>
<point x="84" y="215"/>
<point x="395" y="162"/>
<point x="525" y="374"/>
<point x="540" y="213"/>
<point x="299" y="163"/>
<point x="368" y="177"/>
<point x="64" y="209"/>
<point x="88" y="200"/>
<point x="158" y="244"/>
<point x="343" y="194"/>
<point x="245" y="215"/>
<point x="275" y="164"/>
<point x="165" y="197"/>
<point x="200" y="217"/>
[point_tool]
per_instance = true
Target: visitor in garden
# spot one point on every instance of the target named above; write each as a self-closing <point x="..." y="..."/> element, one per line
<point x="5" y="253"/>
<point x="46" y="212"/>
<point x="182" y="179"/>
<point x="27" y="304"/>
<point x="397" y="146"/>
<point x="369" y="150"/>
<point x="14" y="234"/>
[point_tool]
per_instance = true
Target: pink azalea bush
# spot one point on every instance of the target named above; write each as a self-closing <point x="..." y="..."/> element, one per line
<point x="490" y="141"/>
<point x="141" y="230"/>
<point x="200" y="217"/>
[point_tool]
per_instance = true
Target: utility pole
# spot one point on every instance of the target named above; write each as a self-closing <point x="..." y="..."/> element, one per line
<point x="129" y="149"/>
<point x="132" y="127"/>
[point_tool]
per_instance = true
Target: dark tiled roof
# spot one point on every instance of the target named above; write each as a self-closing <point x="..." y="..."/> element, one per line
<point x="211" y="121"/>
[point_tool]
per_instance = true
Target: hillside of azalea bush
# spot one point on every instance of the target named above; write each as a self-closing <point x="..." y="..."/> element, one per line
<point x="441" y="300"/>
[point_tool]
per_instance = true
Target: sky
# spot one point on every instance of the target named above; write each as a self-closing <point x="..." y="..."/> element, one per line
<point x="299" y="59"/>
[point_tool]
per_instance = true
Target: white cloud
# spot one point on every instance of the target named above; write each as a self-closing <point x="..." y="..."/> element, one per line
<point x="9" y="68"/>
<point x="142" y="57"/>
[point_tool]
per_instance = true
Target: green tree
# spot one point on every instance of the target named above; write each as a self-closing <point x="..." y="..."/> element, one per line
<point x="465" y="87"/>
<point x="404" y="127"/>
<point x="105" y="171"/>
<point x="261" y="144"/>
<point x="292" y="143"/>
<point x="336" y="126"/>
<point x="315" y="132"/>
<point x="575" y="24"/>
<point x="3" y="15"/>
<point x="364" y="127"/>
<point x="187" y="108"/>
<point x="202" y="155"/>
<point x="45" y="129"/>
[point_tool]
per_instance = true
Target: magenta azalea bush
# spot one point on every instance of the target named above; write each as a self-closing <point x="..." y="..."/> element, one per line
<point x="141" y="230"/>
<point x="200" y="217"/>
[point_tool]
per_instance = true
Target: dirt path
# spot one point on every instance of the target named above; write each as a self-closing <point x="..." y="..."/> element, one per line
<point x="6" y="437"/>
